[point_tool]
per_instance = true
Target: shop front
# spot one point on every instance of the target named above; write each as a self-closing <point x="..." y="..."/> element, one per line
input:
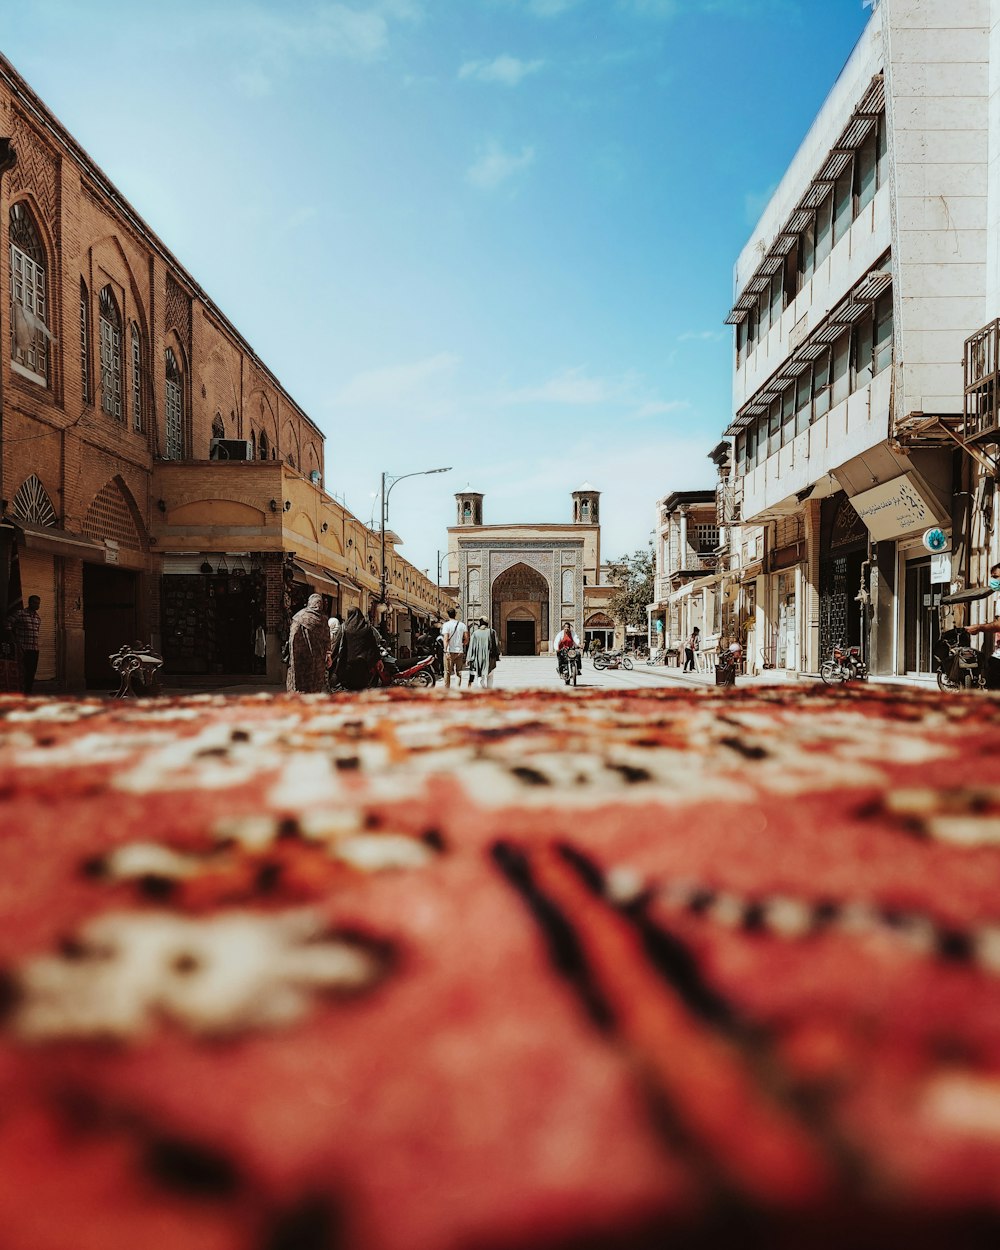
<point x="213" y="614"/>
<point x="842" y="568"/>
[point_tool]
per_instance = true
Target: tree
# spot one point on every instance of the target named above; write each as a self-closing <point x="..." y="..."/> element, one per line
<point x="633" y="576"/>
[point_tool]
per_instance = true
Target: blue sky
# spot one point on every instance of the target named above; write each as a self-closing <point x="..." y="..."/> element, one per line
<point x="493" y="234"/>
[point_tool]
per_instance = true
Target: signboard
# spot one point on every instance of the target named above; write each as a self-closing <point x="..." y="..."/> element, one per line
<point x="895" y="509"/>
<point x="941" y="568"/>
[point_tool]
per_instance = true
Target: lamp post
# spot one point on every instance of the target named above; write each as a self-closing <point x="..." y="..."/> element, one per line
<point x="385" y="513"/>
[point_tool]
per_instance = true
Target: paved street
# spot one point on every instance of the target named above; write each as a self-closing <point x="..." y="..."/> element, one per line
<point x="531" y="672"/>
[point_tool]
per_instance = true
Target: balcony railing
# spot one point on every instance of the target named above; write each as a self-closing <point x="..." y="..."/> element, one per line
<point x="982" y="375"/>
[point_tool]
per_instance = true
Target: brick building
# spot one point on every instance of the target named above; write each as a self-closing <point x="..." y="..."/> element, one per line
<point x="164" y="484"/>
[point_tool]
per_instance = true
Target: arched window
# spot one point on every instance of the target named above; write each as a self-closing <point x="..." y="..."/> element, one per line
<point x="29" y="333"/>
<point x="263" y="445"/>
<point x="253" y="445"/>
<point x="111" y="353"/>
<point x="138" y="424"/>
<point x="84" y="342"/>
<point x="585" y="510"/>
<point x="291" y="460"/>
<point x="32" y="503"/>
<point x="175" y="409"/>
<point x="218" y="426"/>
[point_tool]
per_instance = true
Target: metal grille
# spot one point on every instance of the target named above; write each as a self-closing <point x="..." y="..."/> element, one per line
<point x="137" y="421"/>
<point x="27" y="295"/>
<point x="111" y="354"/>
<point x="174" y="410"/>
<point x="32" y="503"/>
<point x="982" y="372"/>
<point x="84" y="345"/>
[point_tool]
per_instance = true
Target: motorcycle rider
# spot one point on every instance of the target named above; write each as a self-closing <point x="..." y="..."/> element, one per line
<point x="566" y="640"/>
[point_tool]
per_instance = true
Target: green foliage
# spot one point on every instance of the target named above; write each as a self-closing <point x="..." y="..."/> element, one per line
<point x="633" y="575"/>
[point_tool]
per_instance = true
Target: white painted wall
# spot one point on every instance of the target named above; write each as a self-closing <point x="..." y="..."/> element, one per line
<point x="849" y="429"/>
<point x="938" y="85"/>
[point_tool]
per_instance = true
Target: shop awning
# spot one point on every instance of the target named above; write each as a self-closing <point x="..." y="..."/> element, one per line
<point x="322" y="579"/>
<point x="58" y="542"/>
<point x="699" y="583"/>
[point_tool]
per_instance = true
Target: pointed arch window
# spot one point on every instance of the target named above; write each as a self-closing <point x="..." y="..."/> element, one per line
<point x="138" y="423"/>
<point x="28" y="308"/>
<point x="263" y="446"/>
<point x="85" y="343"/>
<point x="253" y="445"/>
<point x="218" y="426"/>
<point x="174" y="409"/>
<point x="111" y="354"/>
<point x="32" y="503"/>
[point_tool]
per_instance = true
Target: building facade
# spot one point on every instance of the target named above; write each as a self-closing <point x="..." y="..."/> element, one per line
<point x="856" y="429"/>
<point x="528" y="579"/>
<point x="163" y="483"/>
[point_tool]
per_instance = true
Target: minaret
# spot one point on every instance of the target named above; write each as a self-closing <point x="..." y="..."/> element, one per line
<point x="470" y="507"/>
<point x="585" y="505"/>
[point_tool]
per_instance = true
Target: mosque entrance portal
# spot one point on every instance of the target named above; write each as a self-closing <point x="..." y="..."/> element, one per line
<point x="520" y="601"/>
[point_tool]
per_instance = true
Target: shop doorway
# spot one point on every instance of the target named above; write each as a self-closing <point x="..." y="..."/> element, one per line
<point x="922" y="627"/>
<point x="520" y="638"/>
<point x="109" y="620"/>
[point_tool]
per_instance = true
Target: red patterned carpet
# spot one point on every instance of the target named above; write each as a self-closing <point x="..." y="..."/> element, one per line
<point x="407" y="972"/>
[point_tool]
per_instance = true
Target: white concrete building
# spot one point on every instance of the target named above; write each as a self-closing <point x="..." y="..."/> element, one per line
<point x="877" y="257"/>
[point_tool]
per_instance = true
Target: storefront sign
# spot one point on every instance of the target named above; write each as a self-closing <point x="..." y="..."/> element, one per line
<point x="941" y="568"/>
<point x="894" y="509"/>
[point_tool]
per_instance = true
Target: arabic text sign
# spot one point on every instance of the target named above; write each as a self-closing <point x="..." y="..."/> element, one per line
<point x="894" y="509"/>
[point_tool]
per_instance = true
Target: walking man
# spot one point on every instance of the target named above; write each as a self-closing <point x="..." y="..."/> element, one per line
<point x="26" y="625"/>
<point x="455" y="637"/>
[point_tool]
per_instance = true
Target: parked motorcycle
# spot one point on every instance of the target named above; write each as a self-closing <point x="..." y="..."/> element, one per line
<point x="387" y="671"/>
<point x="958" y="662"/>
<point x="845" y="664"/>
<point x="571" y="665"/>
<point x="612" y="659"/>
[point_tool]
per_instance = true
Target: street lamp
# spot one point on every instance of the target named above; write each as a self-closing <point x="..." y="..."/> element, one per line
<point x="385" y="512"/>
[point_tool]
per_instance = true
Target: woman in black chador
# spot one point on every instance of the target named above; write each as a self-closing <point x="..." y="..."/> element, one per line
<point x="357" y="652"/>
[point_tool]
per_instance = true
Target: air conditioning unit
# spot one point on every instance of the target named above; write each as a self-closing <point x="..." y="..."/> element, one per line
<point x="316" y="477"/>
<point x="230" y="449"/>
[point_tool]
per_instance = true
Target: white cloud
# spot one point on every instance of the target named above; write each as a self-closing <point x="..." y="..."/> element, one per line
<point x="701" y="336"/>
<point x="551" y="8"/>
<point x="404" y="390"/>
<point x="494" y="166"/>
<point x="572" y="386"/>
<point x="575" y="388"/>
<point x="509" y="71"/>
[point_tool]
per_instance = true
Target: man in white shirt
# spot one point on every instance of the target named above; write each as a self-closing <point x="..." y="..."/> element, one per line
<point x="455" y="637"/>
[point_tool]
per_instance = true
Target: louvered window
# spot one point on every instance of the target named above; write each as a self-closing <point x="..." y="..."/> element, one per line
<point x="28" y="312"/>
<point x="84" y="343"/>
<point x="174" y="410"/>
<point x="111" y="354"/>
<point x="138" y="424"/>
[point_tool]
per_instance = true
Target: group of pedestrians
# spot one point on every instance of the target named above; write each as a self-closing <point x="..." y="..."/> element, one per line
<point x="478" y="650"/>
<point x="323" y="654"/>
